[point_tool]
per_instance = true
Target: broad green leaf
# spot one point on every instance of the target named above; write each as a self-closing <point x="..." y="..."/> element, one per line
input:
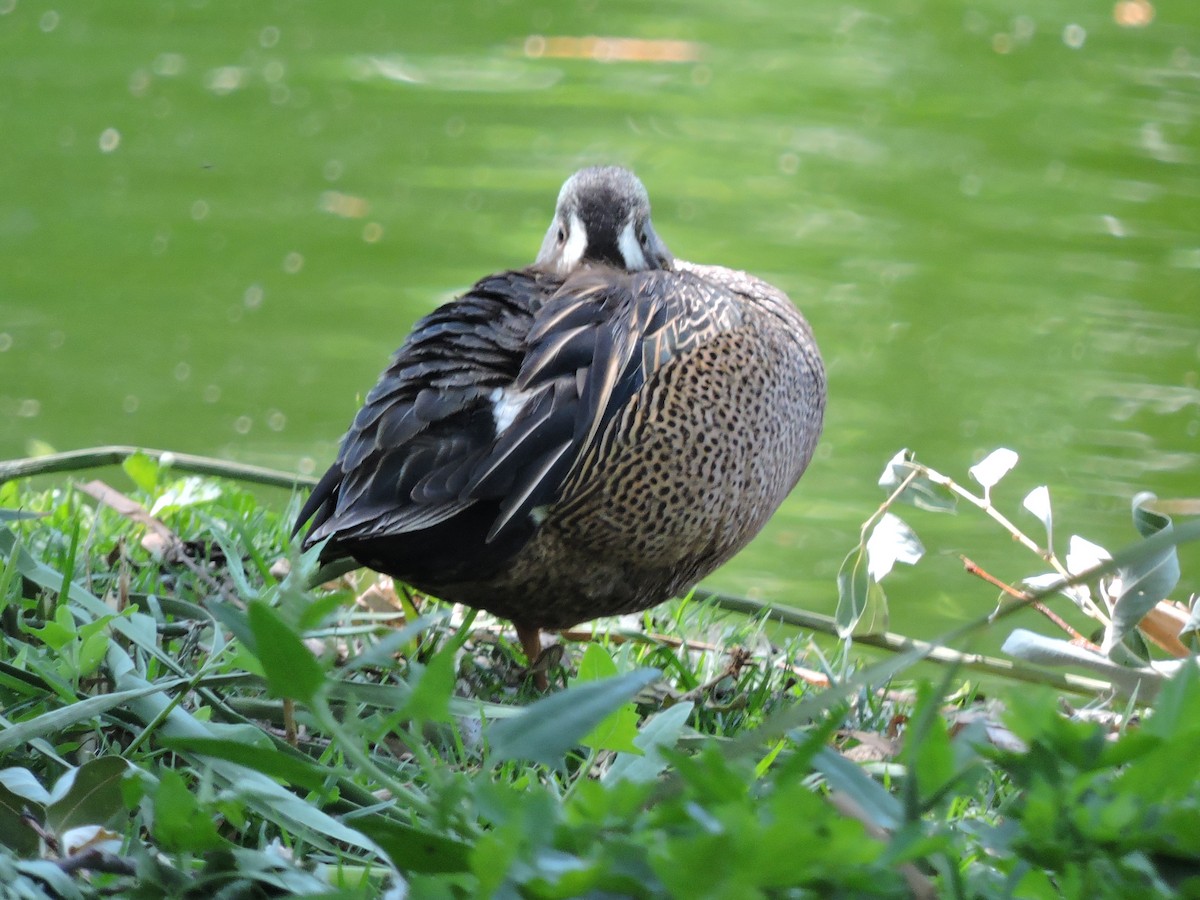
<point x="1167" y="766"/>
<point x="920" y="492"/>
<point x="24" y="783"/>
<point x="412" y="848"/>
<point x="180" y="823"/>
<point x="549" y="728"/>
<point x="142" y="470"/>
<point x="1177" y="710"/>
<point x="93" y="645"/>
<point x="430" y="697"/>
<point x="15" y="834"/>
<point x="927" y="750"/>
<point x="843" y="775"/>
<point x="291" y="669"/>
<point x="93" y="797"/>
<point x="1146" y="581"/>
<point x="785" y="853"/>
<point x="660" y="732"/>
<point x="59" y="632"/>
<point x="494" y="854"/>
<point x="317" y="609"/>
<point x="860" y="598"/>
<point x="993" y="467"/>
<point x="618" y="730"/>
<point x="236" y="621"/>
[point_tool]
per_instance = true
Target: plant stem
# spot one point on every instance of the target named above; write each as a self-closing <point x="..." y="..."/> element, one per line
<point x="1026" y="597"/>
<point x="985" y="503"/>
<point x="95" y="457"/>
<point x="898" y="643"/>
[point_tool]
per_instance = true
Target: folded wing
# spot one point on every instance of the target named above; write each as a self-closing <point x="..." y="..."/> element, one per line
<point x="494" y="401"/>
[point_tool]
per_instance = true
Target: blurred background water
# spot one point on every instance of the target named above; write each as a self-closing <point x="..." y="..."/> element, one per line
<point x="218" y="219"/>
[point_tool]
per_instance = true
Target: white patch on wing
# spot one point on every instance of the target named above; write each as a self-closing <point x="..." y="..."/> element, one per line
<point x="573" y="250"/>
<point x="631" y="249"/>
<point x="506" y="404"/>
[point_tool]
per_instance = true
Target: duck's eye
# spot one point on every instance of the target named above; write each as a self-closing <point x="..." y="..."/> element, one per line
<point x="562" y="235"/>
<point x="644" y="239"/>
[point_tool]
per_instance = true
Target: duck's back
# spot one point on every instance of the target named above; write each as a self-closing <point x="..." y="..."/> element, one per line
<point x="690" y="467"/>
<point x="556" y="450"/>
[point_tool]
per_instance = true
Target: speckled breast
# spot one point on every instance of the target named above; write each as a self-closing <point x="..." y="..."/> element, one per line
<point x="684" y="475"/>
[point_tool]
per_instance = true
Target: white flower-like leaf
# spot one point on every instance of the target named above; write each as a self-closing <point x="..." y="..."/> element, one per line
<point x="1078" y="593"/>
<point x="1037" y="502"/>
<point x="989" y="470"/>
<point x="1082" y="555"/>
<point x="90" y="837"/>
<point x="1042" y="582"/>
<point x="895" y="470"/>
<point x="921" y="489"/>
<point x="188" y="492"/>
<point x="891" y="541"/>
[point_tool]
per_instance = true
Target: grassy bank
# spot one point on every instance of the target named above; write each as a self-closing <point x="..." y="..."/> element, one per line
<point x="181" y="716"/>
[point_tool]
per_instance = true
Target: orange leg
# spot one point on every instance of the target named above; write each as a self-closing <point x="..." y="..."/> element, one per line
<point x="531" y="643"/>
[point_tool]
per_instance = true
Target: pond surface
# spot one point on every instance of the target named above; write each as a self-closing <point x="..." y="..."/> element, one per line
<point x="218" y="219"/>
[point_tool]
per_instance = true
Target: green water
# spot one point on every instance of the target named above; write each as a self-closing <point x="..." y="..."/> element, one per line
<point x="217" y="220"/>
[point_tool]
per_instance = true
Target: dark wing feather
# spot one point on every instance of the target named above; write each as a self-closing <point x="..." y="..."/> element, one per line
<point x="427" y="423"/>
<point x="566" y="357"/>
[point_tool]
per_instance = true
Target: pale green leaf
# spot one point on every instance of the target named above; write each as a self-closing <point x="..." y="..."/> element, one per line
<point x="290" y="667"/>
<point x="618" y="730"/>
<point x="142" y="470"/>
<point x="93" y="797"/>
<point x="862" y="604"/>
<point x="660" y="732"/>
<point x="430" y="697"/>
<point x="920" y="491"/>
<point x="554" y="725"/>
<point x="1147" y="580"/>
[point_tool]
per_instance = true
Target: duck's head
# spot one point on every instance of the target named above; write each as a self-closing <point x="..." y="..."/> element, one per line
<point x="602" y="218"/>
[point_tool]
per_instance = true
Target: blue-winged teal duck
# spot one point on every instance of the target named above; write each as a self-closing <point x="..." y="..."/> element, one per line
<point x="587" y="436"/>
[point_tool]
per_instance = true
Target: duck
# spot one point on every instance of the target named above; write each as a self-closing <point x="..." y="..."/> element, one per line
<point x="587" y="436"/>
